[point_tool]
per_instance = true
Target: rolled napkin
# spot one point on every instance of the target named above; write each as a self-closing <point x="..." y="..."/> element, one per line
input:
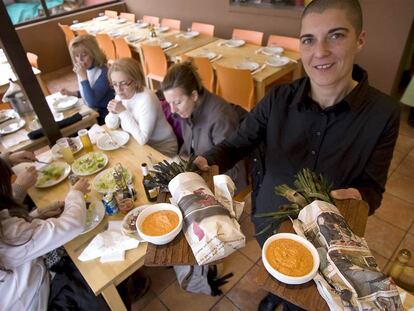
<point x="63" y="123"/>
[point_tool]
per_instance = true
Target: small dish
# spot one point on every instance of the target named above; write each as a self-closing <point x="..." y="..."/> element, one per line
<point x="7" y="114"/>
<point x="77" y="26"/>
<point x="129" y="223"/>
<point x="190" y="34"/>
<point x="115" y="33"/>
<point x="134" y="37"/>
<point x="277" y="61"/>
<point x="101" y="18"/>
<point x="165" y="44"/>
<point x="11" y="126"/>
<point x="120" y="21"/>
<point x="95" y="213"/>
<point x="64" y="103"/>
<point x="95" y="30"/>
<point x="141" y="25"/>
<point x="271" y="50"/>
<point x="113" y="140"/>
<point x="248" y="65"/>
<point x="208" y="54"/>
<point x="234" y="43"/>
<point x="162" y="28"/>
<point x="52" y="174"/>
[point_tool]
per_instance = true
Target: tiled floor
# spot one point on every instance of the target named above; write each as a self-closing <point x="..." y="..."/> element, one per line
<point x="389" y="230"/>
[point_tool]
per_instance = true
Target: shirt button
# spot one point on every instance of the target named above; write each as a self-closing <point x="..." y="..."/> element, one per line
<point x="318" y="133"/>
<point x="254" y="160"/>
<point x="313" y="152"/>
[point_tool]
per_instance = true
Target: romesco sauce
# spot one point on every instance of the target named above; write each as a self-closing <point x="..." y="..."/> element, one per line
<point x="289" y="257"/>
<point x="159" y="223"/>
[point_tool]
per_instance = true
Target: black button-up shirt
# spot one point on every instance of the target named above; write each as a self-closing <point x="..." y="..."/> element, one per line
<point x="351" y="142"/>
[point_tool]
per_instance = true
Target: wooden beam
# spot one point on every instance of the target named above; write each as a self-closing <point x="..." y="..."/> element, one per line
<point x="23" y="70"/>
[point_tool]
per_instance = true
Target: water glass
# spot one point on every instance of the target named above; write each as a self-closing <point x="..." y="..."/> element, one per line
<point x="85" y="139"/>
<point x="65" y="150"/>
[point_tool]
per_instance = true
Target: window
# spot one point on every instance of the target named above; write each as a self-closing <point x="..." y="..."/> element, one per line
<point x="300" y="4"/>
<point x="23" y="11"/>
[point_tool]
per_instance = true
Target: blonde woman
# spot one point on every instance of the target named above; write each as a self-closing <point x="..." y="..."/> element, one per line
<point x="89" y="64"/>
<point x="137" y="109"/>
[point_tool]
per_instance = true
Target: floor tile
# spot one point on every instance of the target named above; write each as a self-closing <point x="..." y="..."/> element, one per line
<point x="245" y="295"/>
<point x="382" y="237"/>
<point x="412" y="228"/>
<point x="406" y="167"/>
<point x="404" y="144"/>
<point x="405" y="128"/>
<point x="144" y="301"/>
<point x="225" y="305"/>
<point x="238" y="264"/>
<point x="177" y="299"/>
<point x="155" y="305"/>
<point x="252" y="249"/>
<point x="395" y="211"/>
<point x="161" y="277"/>
<point x="401" y="186"/>
<point x="397" y="158"/>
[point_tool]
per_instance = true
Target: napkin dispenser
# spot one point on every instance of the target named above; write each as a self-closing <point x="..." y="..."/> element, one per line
<point x="16" y="97"/>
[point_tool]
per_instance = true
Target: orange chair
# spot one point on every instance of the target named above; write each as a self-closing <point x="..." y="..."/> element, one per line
<point x="235" y="86"/>
<point x="32" y="59"/>
<point x="33" y="62"/>
<point x="111" y="14"/>
<point x="288" y="43"/>
<point x="121" y="48"/>
<point x="69" y="34"/>
<point x="128" y="16"/>
<point x="4" y="106"/>
<point x="81" y="32"/>
<point x="174" y="24"/>
<point x="206" y="29"/>
<point x="205" y="71"/>
<point x="105" y="43"/>
<point x="151" y="20"/>
<point x="155" y="63"/>
<point x="250" y="36"/>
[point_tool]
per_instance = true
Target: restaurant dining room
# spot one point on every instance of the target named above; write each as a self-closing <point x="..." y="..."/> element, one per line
<point x="206" y="155"/>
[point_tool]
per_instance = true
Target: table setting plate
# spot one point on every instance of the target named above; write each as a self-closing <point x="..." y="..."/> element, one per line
<point x="134" y="37"/>
<point x="101" y="18"/>
<point x="112" y="140"/>
<point x="165" y="44"/>
<point x="52" y="174"/>
<point x="64" y="103"/>
<point x="7" y="114"/>
<point x="208" y="54"/>
<point x="77" y="26"/>
<point x="104" y="182"/>
<point x="95" y="213"/>
<point x="234" y="43"/>
<point x="90" y="164"/>
<point x="95" y="30"/>
<point x="248" y="65"/>
<point x="115" y="33"/>
<point x="162" y="29"/>
<point x="190" y="34"/>
<point x="120" y="21"/>
<point x="11" y="126"/>
<point x="277" y="61"/>
<point x="271" y="50"/>
<point x="129" y="222"/>
<point x="141" y="25"/>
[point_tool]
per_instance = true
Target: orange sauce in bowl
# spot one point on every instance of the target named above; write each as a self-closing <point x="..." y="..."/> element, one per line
<point x="159" y="223"/>
<point x="289" y="257"/>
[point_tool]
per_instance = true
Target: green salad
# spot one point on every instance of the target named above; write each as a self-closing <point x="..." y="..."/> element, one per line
<point x="105" y="182"/>
<point x="90" y="163"/>
<point x="51" y="172"/>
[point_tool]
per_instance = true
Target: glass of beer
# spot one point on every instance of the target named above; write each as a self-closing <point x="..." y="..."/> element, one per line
<point x="65" y="150"/>
<point x="85" y="139"/>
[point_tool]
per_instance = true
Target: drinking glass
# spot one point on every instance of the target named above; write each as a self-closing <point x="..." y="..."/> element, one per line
<point x="65" y="150"/>
<point x="85" y="139"/>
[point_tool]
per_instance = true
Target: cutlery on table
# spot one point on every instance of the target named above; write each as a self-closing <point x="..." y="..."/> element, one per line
<point x="216" y="58"/>
<point x="42" y="162"/>
<point x="259" y="69"/>
<point x="171" y="47"/>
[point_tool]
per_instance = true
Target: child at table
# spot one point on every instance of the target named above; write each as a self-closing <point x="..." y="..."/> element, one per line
<point x="25" y="238"/>
<point x="137" y="109"/>
<point x="89" y="64"/>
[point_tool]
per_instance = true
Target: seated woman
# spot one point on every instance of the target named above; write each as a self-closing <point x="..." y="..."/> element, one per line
<point x="206" y="119"/>
<point x="89" y="64"/>
<point x="24" y="238"/>
<point x="137" y="109"/>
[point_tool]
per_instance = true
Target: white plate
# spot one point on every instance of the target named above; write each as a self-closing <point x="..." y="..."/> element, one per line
<point x="270" y="50"/>
<point x="11" y="126"/>
<point x="248" y="65"/>
<point x="64" y="103"/>
<point x="51" y="182"/>
<point x="95" y="30"/>
<point x="77" y="146"/>
<point x="110" y="182"/>
<point x="7" y="114"/>
<point x="87" y="160"/>
<point x="277" y="61"/>
<point x="208" y="54"/>
<point x="94" y="216"/>
<point x="77" y="26"/>
<point x="115" y="33"/>
<point x="141" y="25"/>
<point x="132" y="217"/>
<point x="120" y="21"/>
<point x="119" y="138"/>
<point x="234" y="43"/>
<point x="134" y="37"/>
<point x="101" y="18"/>
<point x="162" y="28"/>
<point x="190" y="34"/>
<point x="165" y="44"/>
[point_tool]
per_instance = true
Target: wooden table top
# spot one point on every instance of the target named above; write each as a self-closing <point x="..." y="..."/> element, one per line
<point x="98" y="275"/>
<point x="306" y="295"/>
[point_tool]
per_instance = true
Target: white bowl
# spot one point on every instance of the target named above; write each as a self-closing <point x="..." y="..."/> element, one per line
<point x="161" y="239"/>
<point x="286" y="278"/>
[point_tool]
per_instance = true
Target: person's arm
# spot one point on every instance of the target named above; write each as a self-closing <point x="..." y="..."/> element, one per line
<point x="141" y="121"/>
<point x="94" y="95"/>
<point x="112" y="120"/>
<point x="371" y="183"/>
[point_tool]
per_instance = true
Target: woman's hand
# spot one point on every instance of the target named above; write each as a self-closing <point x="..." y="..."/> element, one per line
<point x="80" y="70"/>
<point x="66" y="92"/>
<point x="115" y="106"/>
<point x="201" y="163"/>
<point x="53" y="210"/>
<point x="82" y="185"/>
<point x="27" y="178"/>
<point x="21" y="156"/>
<point x="345" y="194"/>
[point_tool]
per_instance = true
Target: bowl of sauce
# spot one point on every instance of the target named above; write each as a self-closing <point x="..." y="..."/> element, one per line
<point x="159" y="223"/>
<point x="290" y="258"/>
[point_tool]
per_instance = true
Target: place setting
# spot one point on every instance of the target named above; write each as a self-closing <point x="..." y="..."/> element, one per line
<point x="135" y="37"/>
<point x="140" y="24"/>
<point x="252" y="66"/>
<point x="232" y="43"/>
<point x="189" y="34"/>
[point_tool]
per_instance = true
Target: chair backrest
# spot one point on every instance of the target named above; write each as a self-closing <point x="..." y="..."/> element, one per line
<point x="155" y="61"/>
<point x="250" y="36"/>
<point x="128" y="16"/>
<point x="105" y="43"/>
<point x="81" y="32"/>
<point x="235" y="86"/>
<point x="151" y="19"/>
<point x="288" y="43"/>
<point x="121" y="48"/>
<point x="205" y="71"/>
<point x="32" y="59"/>
<point x="174" y="24"/>
<point x="69" y="34"/>
<point x="206" y="29"/>
<point x="4" y="106"/>
<point x="110" y="13"/>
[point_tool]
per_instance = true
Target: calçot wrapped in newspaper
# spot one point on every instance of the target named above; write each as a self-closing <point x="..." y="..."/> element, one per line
<point x="210" y="222"/>
<point x="349" y="278"/>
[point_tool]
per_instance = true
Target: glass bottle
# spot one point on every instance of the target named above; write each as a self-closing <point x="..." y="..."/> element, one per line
<point x="399" y="264"/>
<point x="151" y="191"/>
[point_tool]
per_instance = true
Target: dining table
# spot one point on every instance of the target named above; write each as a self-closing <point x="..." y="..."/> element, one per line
<point x="104" y="277"/>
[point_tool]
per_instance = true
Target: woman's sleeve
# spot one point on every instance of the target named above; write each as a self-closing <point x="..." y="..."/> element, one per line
<point x="112" y="120"/>
<point x="39" y="237"/>
<point x="94" y="95"/>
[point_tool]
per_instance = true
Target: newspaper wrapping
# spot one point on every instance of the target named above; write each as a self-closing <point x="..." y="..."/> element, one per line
<point x="349" y="277"/>
<point x="210" y="222"/>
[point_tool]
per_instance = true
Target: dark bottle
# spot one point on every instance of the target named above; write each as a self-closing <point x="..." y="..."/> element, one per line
<point x="151" y="190"/>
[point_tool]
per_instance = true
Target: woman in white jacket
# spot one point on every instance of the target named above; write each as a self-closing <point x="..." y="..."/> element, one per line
<point x="137" y="109"/>
<point x="25" y="238"/>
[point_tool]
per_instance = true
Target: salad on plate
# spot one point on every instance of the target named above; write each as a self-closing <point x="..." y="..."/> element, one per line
<point x="89" y="163"/>
<point x="104" y="182"/>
